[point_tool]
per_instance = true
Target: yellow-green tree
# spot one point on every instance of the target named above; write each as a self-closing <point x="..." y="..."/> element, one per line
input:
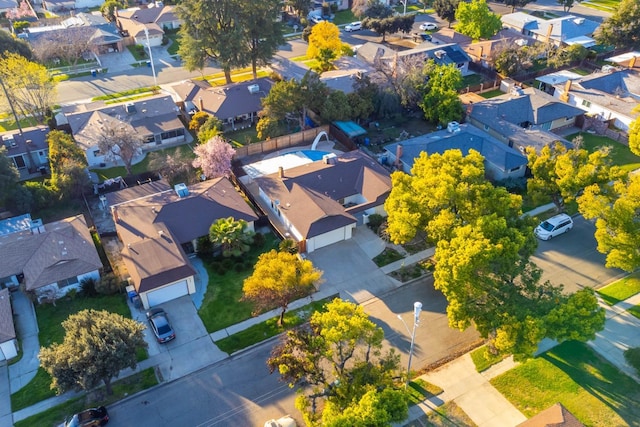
<point x="324" y="36"/>
<point x="30" y="88"/>
<point x="476" y="20"/>
<point x="615" y="207"/>
<point x="634" y="133"/>
<point x="279" y="278"/>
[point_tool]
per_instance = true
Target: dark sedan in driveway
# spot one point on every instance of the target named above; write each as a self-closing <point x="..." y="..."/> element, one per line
<point x="160" y="325"/>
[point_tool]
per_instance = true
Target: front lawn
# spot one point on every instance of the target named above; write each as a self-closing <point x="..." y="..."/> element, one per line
<point x="222" y="306"/>
<point x="387" y="256"/>
<point x="620" y="154"/>
<point x="269" y="328"/>
<point x="121" y="389"/>
<point x="621" y="289"/>
<point x="483" y="360"/>
<point x="595" y="391"/>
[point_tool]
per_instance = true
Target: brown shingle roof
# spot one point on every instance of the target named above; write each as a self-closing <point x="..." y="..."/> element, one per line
<point x="187" y="217"/>
<point x="312" y="195"/>
<point x="156" y="261"/>
<point x="555" y="416"/>
<point x="64" y="250"/>
<point x="7" y="328"/>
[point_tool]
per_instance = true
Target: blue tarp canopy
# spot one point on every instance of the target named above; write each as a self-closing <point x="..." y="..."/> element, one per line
<point x="351" y="129"/>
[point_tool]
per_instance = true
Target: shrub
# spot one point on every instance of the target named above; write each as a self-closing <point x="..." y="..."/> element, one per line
<point x="108" y="284"/>
<point x="514" y="185"/>
<point x="204" y="246"/>
<point x="375" y="221"/>
<point x="258" y="240"/>
<point x="632" y="356"/>
<point x="288" y="245"/>
<point x="88" y="287"/>
<point x="239" y="267"/>
<point x="227" y="264"/>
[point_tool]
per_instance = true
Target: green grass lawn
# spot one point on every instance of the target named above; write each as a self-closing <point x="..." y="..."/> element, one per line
<point x="620" y="154"/>
<point x="595" y="391"/>
<point x="126" y="93"/>
<point x="8" y="123"/>
<point x="447" y="415"/>
<point x="222" y="306"/>
<point x="121" y="389"/>
<point x="621" y="289"/>
<point x="484" y="360"/>
<point x="142" y="166"/>
<point x="243" y="137"/>
<point x="262" y="331"/>
<point x="635" y="311"/>
<point x="175" y="44"/>
<point x="50" y="320"/>
<point x="491" y="93"/>
<point x="344" y="17"/>
<point x="472" y="80"/>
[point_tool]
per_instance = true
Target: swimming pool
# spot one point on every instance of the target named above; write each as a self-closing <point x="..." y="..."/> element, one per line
<point x="314" y="155"/>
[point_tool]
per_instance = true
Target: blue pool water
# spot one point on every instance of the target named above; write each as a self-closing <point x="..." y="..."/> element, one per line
<point x="313" y="154"/>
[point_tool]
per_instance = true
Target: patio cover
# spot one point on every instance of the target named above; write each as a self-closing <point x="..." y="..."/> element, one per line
<point x="583" y="40"/>
<point x="351" y="129"/>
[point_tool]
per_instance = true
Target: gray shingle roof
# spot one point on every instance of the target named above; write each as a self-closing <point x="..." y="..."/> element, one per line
<point x="468" y="138"/>
<point x="7" y="328"/>
<point x="37" y="135"/>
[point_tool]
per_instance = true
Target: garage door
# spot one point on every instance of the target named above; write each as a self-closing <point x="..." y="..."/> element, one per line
<point x="167" y="293"/>
<point x="329" y="238"/>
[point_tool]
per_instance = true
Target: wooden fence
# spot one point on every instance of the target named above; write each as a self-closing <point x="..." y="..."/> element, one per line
<point x="304" y="137"/>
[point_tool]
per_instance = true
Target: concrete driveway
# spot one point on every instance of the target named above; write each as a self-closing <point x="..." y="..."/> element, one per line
<point x="192" y="349"/>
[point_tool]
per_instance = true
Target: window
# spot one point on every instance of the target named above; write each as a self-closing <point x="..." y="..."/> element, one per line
<point x="586" y="103"/>
<point x="19" y="162"/>
<point x="149" y="138"/>
<point x="514" y="169"/>
<point x="67" y="282"/>
<point x="96" y="153"/>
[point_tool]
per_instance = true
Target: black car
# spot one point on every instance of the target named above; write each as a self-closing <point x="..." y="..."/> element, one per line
<point x="160" y="325"/>
<point x="89" y="418"/>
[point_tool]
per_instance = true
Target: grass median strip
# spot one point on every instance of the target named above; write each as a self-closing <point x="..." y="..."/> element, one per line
<point x="265" y="330"/>
<point x="121" y="389"/>
<point x="484" y="360"/>
<point x="621" y="290"/>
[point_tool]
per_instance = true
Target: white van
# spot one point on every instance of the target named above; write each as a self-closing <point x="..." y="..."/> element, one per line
<point x="354" y="26"/>
<point x="553" y="227"/>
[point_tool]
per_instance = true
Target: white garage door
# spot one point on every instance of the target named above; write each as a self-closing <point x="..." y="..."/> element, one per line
<point x="167" y="293"/>
<point x="329" y="238"/>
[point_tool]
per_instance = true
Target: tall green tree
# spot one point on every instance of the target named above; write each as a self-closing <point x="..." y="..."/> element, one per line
<point x="339" y="355"/>
<point x="634" y="133"/>
<point x="389" y="25"/>
<point x="97" y="345"/>
<point x="516" y="3"/>
<point x="566" y="4"/>
<point x="476" y="20"/>
<point x="212" y="31"/>
<point x="440" y="102"/>
<point x="9" y="176"/>
<point x="11" y="44"/>
<point x="560" y="173"/>
<point x="233" y="236"/>
<point x="336" y="107"/>
<point x="30" y="88"/>
<point x="622" y="28"/>
<point x="263" y="34"/>
<point x="446" y="9"/>
<point x="67" y="163"/>
<point x="300" y="7"/>
<point x="615" y="208"/>
<point x="109" y="8"/>
<point x="279" y="278"/>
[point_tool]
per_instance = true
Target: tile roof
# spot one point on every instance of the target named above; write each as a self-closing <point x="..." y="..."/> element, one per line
<point x="311" y="195"/>
<point x="7" y="328"/>
<point x="187" y="217"/>
<point x="468" y="138"/>
<point x="65" y="249"/>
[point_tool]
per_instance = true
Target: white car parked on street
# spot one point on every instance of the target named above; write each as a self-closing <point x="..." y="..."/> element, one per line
<point x="354" y="26"/>
<point x="428" y="26"/>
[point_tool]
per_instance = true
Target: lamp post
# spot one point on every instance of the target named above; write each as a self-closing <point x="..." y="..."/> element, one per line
<point x="153" y="68"/>
<point x="417" y="308"/>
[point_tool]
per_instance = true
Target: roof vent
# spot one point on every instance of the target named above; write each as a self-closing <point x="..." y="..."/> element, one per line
<point x="130" y="108"/>
<point x="579" y="21"/>
<point x="253" y="88"/>
<point x="453" y="127"/>
<point x="181" y="190"/>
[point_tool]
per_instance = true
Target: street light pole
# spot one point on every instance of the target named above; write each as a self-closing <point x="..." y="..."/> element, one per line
<point x="417" y="308"/>
<point x="153" y="68"/>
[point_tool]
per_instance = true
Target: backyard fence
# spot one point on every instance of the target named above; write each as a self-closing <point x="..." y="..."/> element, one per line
<point x="280" y="143"/>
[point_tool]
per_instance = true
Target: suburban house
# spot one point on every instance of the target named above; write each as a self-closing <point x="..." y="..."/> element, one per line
<point x="562" y="31"/>
<point x="155" y="120"/>
<point x="49" y="259"/>
<point x="68" y="5"/>
<point x="610" y="95"/>
<point x="102" y="35"/>
<point x="318" y="203"/>
<point x="501" y="161"/>
<point x="159" y="225"/>
<point x="554" y="416"/>
<point x="28" y="150"/>
<point x="628" y="59"/>
<point x="441" y="54"/>
<point x="236" y="104"/>
<point x="483" y="51"/>
<point x="527" y="108"/>
<point x="8" y="341"/>
<point x="7" y="5"/>
<point x="155" y="19"/>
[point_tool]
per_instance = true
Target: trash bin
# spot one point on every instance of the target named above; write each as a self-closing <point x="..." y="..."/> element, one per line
<point x="136" y="302"/>
<point x="149" y="64"/>
<point x="94" y="73"/>
<point x="366" y="141"/>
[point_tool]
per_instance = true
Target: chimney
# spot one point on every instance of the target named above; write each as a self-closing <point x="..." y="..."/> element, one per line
<point x="632" y="62"/>
<point x="114" y="212"/>
<point x="200" y="104"/>
<point x="280" y="172"/>
<point x="398" y="155"/>
<point x="567" y="87"/>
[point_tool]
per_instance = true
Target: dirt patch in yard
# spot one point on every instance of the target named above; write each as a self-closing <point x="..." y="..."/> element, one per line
<point x="113" y="247"/>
